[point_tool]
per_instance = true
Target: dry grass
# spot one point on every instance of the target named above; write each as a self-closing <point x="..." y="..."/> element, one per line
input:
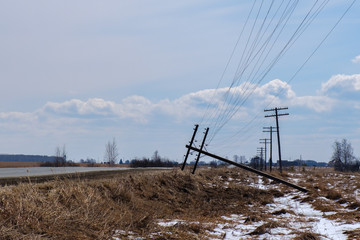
<point x="38" y="164"/>
<point x="94" y="209"/>
<point x="131" y="205"/>
<point x="19" y="164"/>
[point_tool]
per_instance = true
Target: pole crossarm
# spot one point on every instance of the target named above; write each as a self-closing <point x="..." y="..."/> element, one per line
<point x="273" y="109"/>
<point x="269" y="129"/>
<point x="274" y="115"/>
<point x="248" y="169"/>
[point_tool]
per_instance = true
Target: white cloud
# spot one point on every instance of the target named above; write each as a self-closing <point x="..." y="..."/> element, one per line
<point x="136" y="108"/>
<point x="340" y="84"/>
<point x="18" y="116"/>
<point x="276" y="87"/>
<point x="280" y="93"/>
<point x="316" y="103"/>
<point x="356" y="59"/>
<point x="188" y="107"/>
<point x="78" y="108"/>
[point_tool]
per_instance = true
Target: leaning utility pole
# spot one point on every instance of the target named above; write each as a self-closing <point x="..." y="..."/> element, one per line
<point x="201" y="147"/>
<point x="264" y="141"/>
<point x="277" y="115"/>
<point x="270" y="130"/>
<point x="191" y="143"/>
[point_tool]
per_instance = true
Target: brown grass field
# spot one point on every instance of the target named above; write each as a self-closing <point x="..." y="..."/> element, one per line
<point x="130" y="206"/>
<point x="38" y="164"/>
<point x="19" y="164"/>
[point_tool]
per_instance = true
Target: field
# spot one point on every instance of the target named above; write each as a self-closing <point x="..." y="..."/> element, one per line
<point x="38" y="164"/>
<point x="223" y="203"/>
<point x="19" y="164"/>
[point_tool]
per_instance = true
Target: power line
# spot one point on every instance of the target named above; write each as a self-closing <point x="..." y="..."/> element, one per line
<point x="254" y="65"/>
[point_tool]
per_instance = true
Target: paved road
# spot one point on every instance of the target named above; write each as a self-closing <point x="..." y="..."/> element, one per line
<point x="43" y="171"/>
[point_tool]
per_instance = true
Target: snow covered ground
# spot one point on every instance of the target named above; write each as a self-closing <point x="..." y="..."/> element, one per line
<point x="293" y="216"/>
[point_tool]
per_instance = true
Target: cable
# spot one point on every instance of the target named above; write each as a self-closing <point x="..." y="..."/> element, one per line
<point x="254" y="57"/>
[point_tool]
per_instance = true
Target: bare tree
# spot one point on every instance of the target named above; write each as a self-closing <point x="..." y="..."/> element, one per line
<point x="347" y="151"/>
<point x="343" y="157"/>
<point x="60" y="156"/>
<point x="111" y="152"/>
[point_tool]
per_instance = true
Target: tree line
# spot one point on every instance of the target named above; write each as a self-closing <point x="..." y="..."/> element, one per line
<point x="154" y="161"/>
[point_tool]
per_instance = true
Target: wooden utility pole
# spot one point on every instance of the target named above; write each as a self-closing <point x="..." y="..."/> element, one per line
<point x="277" y="115"/>
<point x="191" y="143"/>
<point x="201" y="147"/>
<point x="260" y="151"/>
<point x="265" y="142"/>
<point x="248" y="168"/>
<point x="270" y="130"/>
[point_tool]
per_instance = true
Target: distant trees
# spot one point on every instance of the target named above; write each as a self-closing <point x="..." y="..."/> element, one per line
<point x="155" y="161"/>
<point x="111" y="152"/>
<point x="213" y="164"/>
<point x="60" y="159"/>
<point x="343" y="158"/>
<point x="88" y="160"/>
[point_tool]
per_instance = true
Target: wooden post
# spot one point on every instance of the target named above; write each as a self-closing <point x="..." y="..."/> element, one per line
<point x="201" y="147"/>
<point x="191" y="143"/>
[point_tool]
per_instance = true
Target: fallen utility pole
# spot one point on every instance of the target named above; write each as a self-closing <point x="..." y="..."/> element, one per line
<point x="200" y="151"/>
<point x="277" y="115"/>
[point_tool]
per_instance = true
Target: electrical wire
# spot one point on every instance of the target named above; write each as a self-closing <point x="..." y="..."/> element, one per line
<point x="253" y="62"/>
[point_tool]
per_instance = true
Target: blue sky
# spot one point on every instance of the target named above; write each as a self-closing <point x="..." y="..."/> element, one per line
<point x="80" y="73"/>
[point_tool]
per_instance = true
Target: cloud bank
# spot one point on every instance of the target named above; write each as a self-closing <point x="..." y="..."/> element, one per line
<point x="77" y="121"/>
<point x="194" y="105"/>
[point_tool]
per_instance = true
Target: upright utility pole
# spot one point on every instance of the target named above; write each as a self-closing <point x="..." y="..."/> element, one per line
<point x="264" y="141"/>
<point x="270" y="130"/>
<point x="261" y="152"/>
<point x="277" y="115"/>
